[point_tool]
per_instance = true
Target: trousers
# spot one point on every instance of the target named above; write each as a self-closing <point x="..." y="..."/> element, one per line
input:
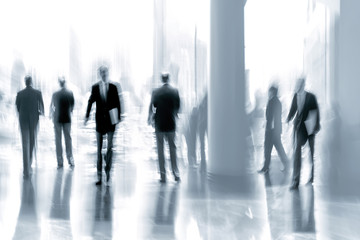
<point x="170" y="137"/>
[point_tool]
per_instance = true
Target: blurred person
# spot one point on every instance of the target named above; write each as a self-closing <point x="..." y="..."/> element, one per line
<point x="202" y="127"/>
<point x="255" y="119"/>
<point x="61" y="107"/>
<point x="30" y="105"/>
<point x="305" y="111"/>
<point x="108" y="110"/>
<point x="166" y="102"/>
<point x="273" y="130"/>
<point x="190" y="136"/>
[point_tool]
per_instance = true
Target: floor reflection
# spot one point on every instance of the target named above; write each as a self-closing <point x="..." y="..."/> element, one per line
<point x="303" y="210"/>
<point x="65" y="204"/>
<point x="166" y="211"/>
<point x="102" y="225"/>
<point x="27" y="226"/>
<point x="60" y="208"/>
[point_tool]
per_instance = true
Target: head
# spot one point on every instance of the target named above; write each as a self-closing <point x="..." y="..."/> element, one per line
<point x="61" y="81"/>
<point x="104" y="73"/>
<point x="300" y="85"/>
<point x="28" y="80"/>
<point x="165" y="77"/>
<point x="273" y="91"/>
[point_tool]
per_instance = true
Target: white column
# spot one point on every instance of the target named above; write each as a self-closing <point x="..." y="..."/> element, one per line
<point x="227" y="119"/>
<point x="348" y="83"/>
<point x="349" y="60"/>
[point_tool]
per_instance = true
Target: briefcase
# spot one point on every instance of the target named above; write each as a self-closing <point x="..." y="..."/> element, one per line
<point x="114" y="116"/>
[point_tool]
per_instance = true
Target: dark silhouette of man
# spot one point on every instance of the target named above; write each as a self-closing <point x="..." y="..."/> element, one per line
<point x="304" y="108"/>
<point x="108" y="110"/>
<point x="30" y="105"/>
<point x="273" y="130"/>
<point x="61" y="107"/>
<point x="166" y="102"/>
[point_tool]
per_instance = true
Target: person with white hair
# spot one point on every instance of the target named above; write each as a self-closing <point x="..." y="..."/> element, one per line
<point x="107" y="116"/>
<point x="305" y="112"/>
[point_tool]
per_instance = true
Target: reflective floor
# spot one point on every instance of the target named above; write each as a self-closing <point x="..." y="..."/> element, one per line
<point x="65" y="204"/>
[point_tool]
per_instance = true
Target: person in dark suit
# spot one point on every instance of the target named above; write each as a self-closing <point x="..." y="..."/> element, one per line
<point x="166" y="102"/>
<point x="304" y="106"/>
<point x="61" y="107"/>
<point x="273" y="130"/>
<point x="30" y="105"/>
<point x="108" y="110"/>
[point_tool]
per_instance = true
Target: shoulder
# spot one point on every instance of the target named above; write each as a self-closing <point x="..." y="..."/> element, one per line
<point x="112" y="85"/>
<point x="158" y="90"/>
<point x="95" y="86"/>
<point x="174" y="89"/>
<point x="20" y="92"/>
<point x="277" y="101"/>
<point x="38" y="92"/>
<point x="68" y="91"/>
<point x="311" y="95"/>
<point x="55" y="94"/>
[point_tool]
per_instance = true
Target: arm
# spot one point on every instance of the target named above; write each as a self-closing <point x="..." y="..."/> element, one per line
<point x="150" y="113"/>
<point x="118" y="104"/>
<point x="72" y="102"/>
<point x="177" y="102"/>
<point x="90" y="102"/>
<point x="317" y="127"/>
<point x="292" y="109"/>
<point x="41" y="104"/>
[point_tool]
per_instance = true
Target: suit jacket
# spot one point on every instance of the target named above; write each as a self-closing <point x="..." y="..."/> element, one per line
<point x="62" y="104"/>
<point x="166" y="101"/>
<point x="273" y="116"/>
<point x="102" y="116"/>
<point x="30" y="105"/>
<point x="310" y="103"/>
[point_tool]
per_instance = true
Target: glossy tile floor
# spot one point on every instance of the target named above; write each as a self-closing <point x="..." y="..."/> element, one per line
<point x="65" y="204"/>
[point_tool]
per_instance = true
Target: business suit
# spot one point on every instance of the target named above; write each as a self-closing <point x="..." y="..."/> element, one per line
<point x="300" y="111"/>
<point x="61" y="107"/>
<point x="166" y="101"/>
<point x="106" y="97"/>
<point x="273" y="132"/>
<point x="30" y="105"/>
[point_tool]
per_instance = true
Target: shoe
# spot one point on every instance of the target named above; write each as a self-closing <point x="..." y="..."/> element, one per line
<point x="294" y="187"/>
<point x="60" y="166"/>
<point x="98" y="183"/>
<point x="163" y="180"/>
<point x="310" y="182"/>
<point x="177" y="179"/>
<point x="108" y="183"/>
<point x="264" y="170"/>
